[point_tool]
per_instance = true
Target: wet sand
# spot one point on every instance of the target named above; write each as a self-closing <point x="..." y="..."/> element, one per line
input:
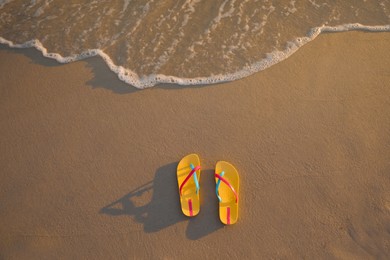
<point x="88" y="164"/>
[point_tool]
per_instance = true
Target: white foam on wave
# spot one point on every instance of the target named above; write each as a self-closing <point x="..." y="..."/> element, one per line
<point x="143" y="82"/>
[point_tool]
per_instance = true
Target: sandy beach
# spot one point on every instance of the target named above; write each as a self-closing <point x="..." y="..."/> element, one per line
<point x="88" y="164"/>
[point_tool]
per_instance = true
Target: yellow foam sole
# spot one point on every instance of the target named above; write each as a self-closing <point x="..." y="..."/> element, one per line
<point x="228" y="208"/>
<point x="189" y="200"/>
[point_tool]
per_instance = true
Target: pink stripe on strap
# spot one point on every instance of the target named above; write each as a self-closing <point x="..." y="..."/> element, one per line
<point x="228" y="216"/>
<point x="190" y="207"/>
<point x="188" y="177"/>
<point x="228" y="184"/>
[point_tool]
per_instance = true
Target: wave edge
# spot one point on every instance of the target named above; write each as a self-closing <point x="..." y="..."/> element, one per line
<point x="132" y="78"/>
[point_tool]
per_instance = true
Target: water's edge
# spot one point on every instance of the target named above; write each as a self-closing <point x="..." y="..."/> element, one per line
<point x="133" y="79"/>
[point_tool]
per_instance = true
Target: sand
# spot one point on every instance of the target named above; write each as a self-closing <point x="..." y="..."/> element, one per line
<point x="88" y="165"/>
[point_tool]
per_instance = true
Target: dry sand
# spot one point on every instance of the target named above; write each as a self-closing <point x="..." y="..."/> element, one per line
<point x="88" y="165"/>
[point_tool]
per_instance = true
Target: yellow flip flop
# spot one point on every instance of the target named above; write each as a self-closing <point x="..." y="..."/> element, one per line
<point x="188" y="176"/>
<point x="227" y="193"/>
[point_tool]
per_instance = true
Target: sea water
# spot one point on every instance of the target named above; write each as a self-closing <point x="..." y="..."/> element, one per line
<point x="146" y="42"/>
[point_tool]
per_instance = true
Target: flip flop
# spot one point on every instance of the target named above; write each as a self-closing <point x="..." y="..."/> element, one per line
<point x="188" y="176"/>
<point x="227" y="193"/>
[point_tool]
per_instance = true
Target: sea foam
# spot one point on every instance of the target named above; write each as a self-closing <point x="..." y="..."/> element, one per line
<point x="186" y="42"/>
<point x="133" y="79"/>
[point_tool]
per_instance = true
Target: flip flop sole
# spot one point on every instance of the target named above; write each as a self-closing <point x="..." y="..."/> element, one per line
<point x="189" y="199"/>
<point x="228" y="207"/>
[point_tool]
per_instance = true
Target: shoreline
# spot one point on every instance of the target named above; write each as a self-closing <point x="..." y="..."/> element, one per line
<point x="89" y="164"/>
<point x="134" y="80"/>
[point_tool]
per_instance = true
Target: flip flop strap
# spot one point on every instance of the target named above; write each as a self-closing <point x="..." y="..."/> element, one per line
<point x="217" y="186"/>
<point x="188" y="177"/>
<point x="195" y="179"/>
<point x="220" y="178"/>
